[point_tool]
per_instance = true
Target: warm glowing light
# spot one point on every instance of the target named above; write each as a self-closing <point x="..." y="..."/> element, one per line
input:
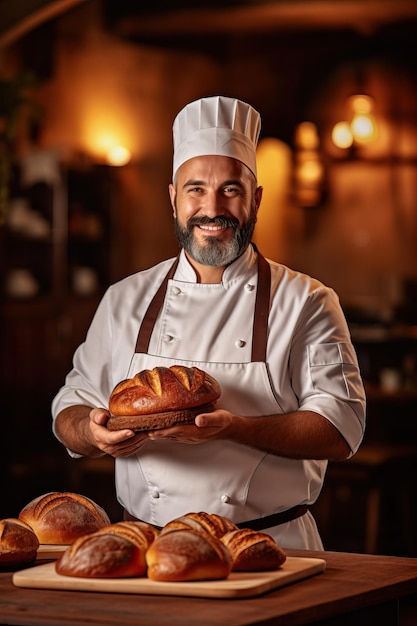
<point x="361" y="103"/>
<point x="306" y="136"/>
<point x="118" y="155"/>
<point x="309" y="171"/>
<point x="105" y="139"/>
<point x="342" y="135"/>
<point x="363" y="128"/>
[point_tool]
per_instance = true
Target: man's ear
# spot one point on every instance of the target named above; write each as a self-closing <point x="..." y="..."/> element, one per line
<point x="258" y="197"/>
<point x="172" y="194"/>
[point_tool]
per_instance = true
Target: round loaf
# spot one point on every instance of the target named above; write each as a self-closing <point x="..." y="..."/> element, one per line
<point x="216" y="525"/>
<point x="114" y="551"/>
<point x="187" y="554"/>
<point x="162" y="397"/>
<point x="62" y="517"/>
<point x="18" y="543"/>
<point x="253" y="551"/>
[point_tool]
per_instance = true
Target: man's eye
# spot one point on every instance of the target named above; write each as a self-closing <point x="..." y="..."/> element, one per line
<point x="230" y="190"/>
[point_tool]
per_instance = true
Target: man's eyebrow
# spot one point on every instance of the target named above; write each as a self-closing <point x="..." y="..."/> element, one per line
<point x="197" y="183"/>
<point x="193" y="183"/>
<point x="232" y="181"/>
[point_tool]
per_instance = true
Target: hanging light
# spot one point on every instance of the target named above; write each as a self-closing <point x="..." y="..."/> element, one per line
<point x="360" y="127"/>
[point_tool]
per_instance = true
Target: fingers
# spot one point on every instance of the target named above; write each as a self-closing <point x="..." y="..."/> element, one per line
<point x="112" y="442"/>
<point x="202" y="420"/>
<point x="215" y="419"/>
<point x="99" y="416"/>
<point x="125" y="447"/>
<point x="216" y="422"/>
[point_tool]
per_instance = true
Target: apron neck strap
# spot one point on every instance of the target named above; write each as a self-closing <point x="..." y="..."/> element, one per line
<point x="260" y="318"/>
<point x="148" y="322"/>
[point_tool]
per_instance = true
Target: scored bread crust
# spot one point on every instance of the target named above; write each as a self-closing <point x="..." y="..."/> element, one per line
<point x="216" y="525"/>
<point x="252" y="550"/>
<point x="163" y="389"/>
<point x="114" y="551"/>
<point x="185" y="554"/>
<point x="61" y="517"/>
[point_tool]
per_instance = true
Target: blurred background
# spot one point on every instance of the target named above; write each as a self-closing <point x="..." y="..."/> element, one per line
<point x="88" y="93"/>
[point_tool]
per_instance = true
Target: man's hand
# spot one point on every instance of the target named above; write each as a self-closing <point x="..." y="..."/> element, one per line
<point x="207" y="427"/>
<point x="117" y="443"/>
<point x="82" y="429"/>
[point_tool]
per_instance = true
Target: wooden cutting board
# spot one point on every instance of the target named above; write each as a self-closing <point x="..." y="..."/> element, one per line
<point x="237" y="585"/>
<point x="50" y="551"/>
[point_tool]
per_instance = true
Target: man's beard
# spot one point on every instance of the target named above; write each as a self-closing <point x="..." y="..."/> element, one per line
<point x="215" y="252"/>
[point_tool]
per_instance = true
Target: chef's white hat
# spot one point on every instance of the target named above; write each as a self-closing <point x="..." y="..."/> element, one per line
<point x="217" y="125"/>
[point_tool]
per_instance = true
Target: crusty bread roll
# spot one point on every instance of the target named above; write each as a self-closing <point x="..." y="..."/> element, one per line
<point x="253" y="551"/>
<point x="187" y="554"/>
<point x="162" y="397"/>
<point x="62" y="517"/>
<point x="18" y="543"/>
<point x="150" y="532"/>
<point x="114" y="551"/>
<point x="216" y="525"/>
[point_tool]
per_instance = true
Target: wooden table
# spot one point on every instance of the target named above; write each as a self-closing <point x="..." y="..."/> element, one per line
<point x="354" y="589"/>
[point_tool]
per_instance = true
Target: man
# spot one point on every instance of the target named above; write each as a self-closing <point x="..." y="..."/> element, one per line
<point x="275" y="339"/>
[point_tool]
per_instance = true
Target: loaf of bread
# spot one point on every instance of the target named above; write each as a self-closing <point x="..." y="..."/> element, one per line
<point x="162" y="397"/>
<point x="253" y="551"/>
<point x="18" y="543"/>
<point x="195" y="546"/>
<point x="187" y="554"/>
<point x="115" y="551"/>
<point x="212" y="523"/>
<point x="62" y="517"/>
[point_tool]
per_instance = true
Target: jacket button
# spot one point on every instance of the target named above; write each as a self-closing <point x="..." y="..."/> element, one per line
<point x="155" y="494"/>
<point x="175" y="291"/>
<point x="168" y="338"/>
<point x="240" y="343"/>
<point x="225" y="498"/>
<point x="249" y="287"/>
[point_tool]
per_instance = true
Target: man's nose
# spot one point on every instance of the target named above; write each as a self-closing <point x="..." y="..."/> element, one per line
<point x="213" y="204"/>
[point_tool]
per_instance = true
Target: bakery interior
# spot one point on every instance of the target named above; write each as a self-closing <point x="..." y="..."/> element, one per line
<point x="89" y="90"/>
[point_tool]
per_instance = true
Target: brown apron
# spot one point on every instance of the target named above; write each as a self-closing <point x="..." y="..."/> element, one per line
<point x="259" y="343"/>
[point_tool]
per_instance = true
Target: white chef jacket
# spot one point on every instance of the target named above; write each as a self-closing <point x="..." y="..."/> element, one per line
<point x="310" y="365"/>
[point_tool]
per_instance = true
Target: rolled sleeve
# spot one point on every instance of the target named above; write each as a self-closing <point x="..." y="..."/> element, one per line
<point x="336" y="389"/>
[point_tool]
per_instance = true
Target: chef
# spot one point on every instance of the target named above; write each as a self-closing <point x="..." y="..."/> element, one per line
<point x="275" y="339"/>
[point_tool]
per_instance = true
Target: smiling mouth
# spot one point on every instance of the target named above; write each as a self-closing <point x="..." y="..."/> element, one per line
<point x="212" y="228"/>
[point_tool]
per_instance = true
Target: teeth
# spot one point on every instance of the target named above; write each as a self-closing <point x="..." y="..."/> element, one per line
<point x="205" y="227"/>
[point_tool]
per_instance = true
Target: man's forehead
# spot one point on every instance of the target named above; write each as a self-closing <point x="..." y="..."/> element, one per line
<point x="205" y="167"/>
